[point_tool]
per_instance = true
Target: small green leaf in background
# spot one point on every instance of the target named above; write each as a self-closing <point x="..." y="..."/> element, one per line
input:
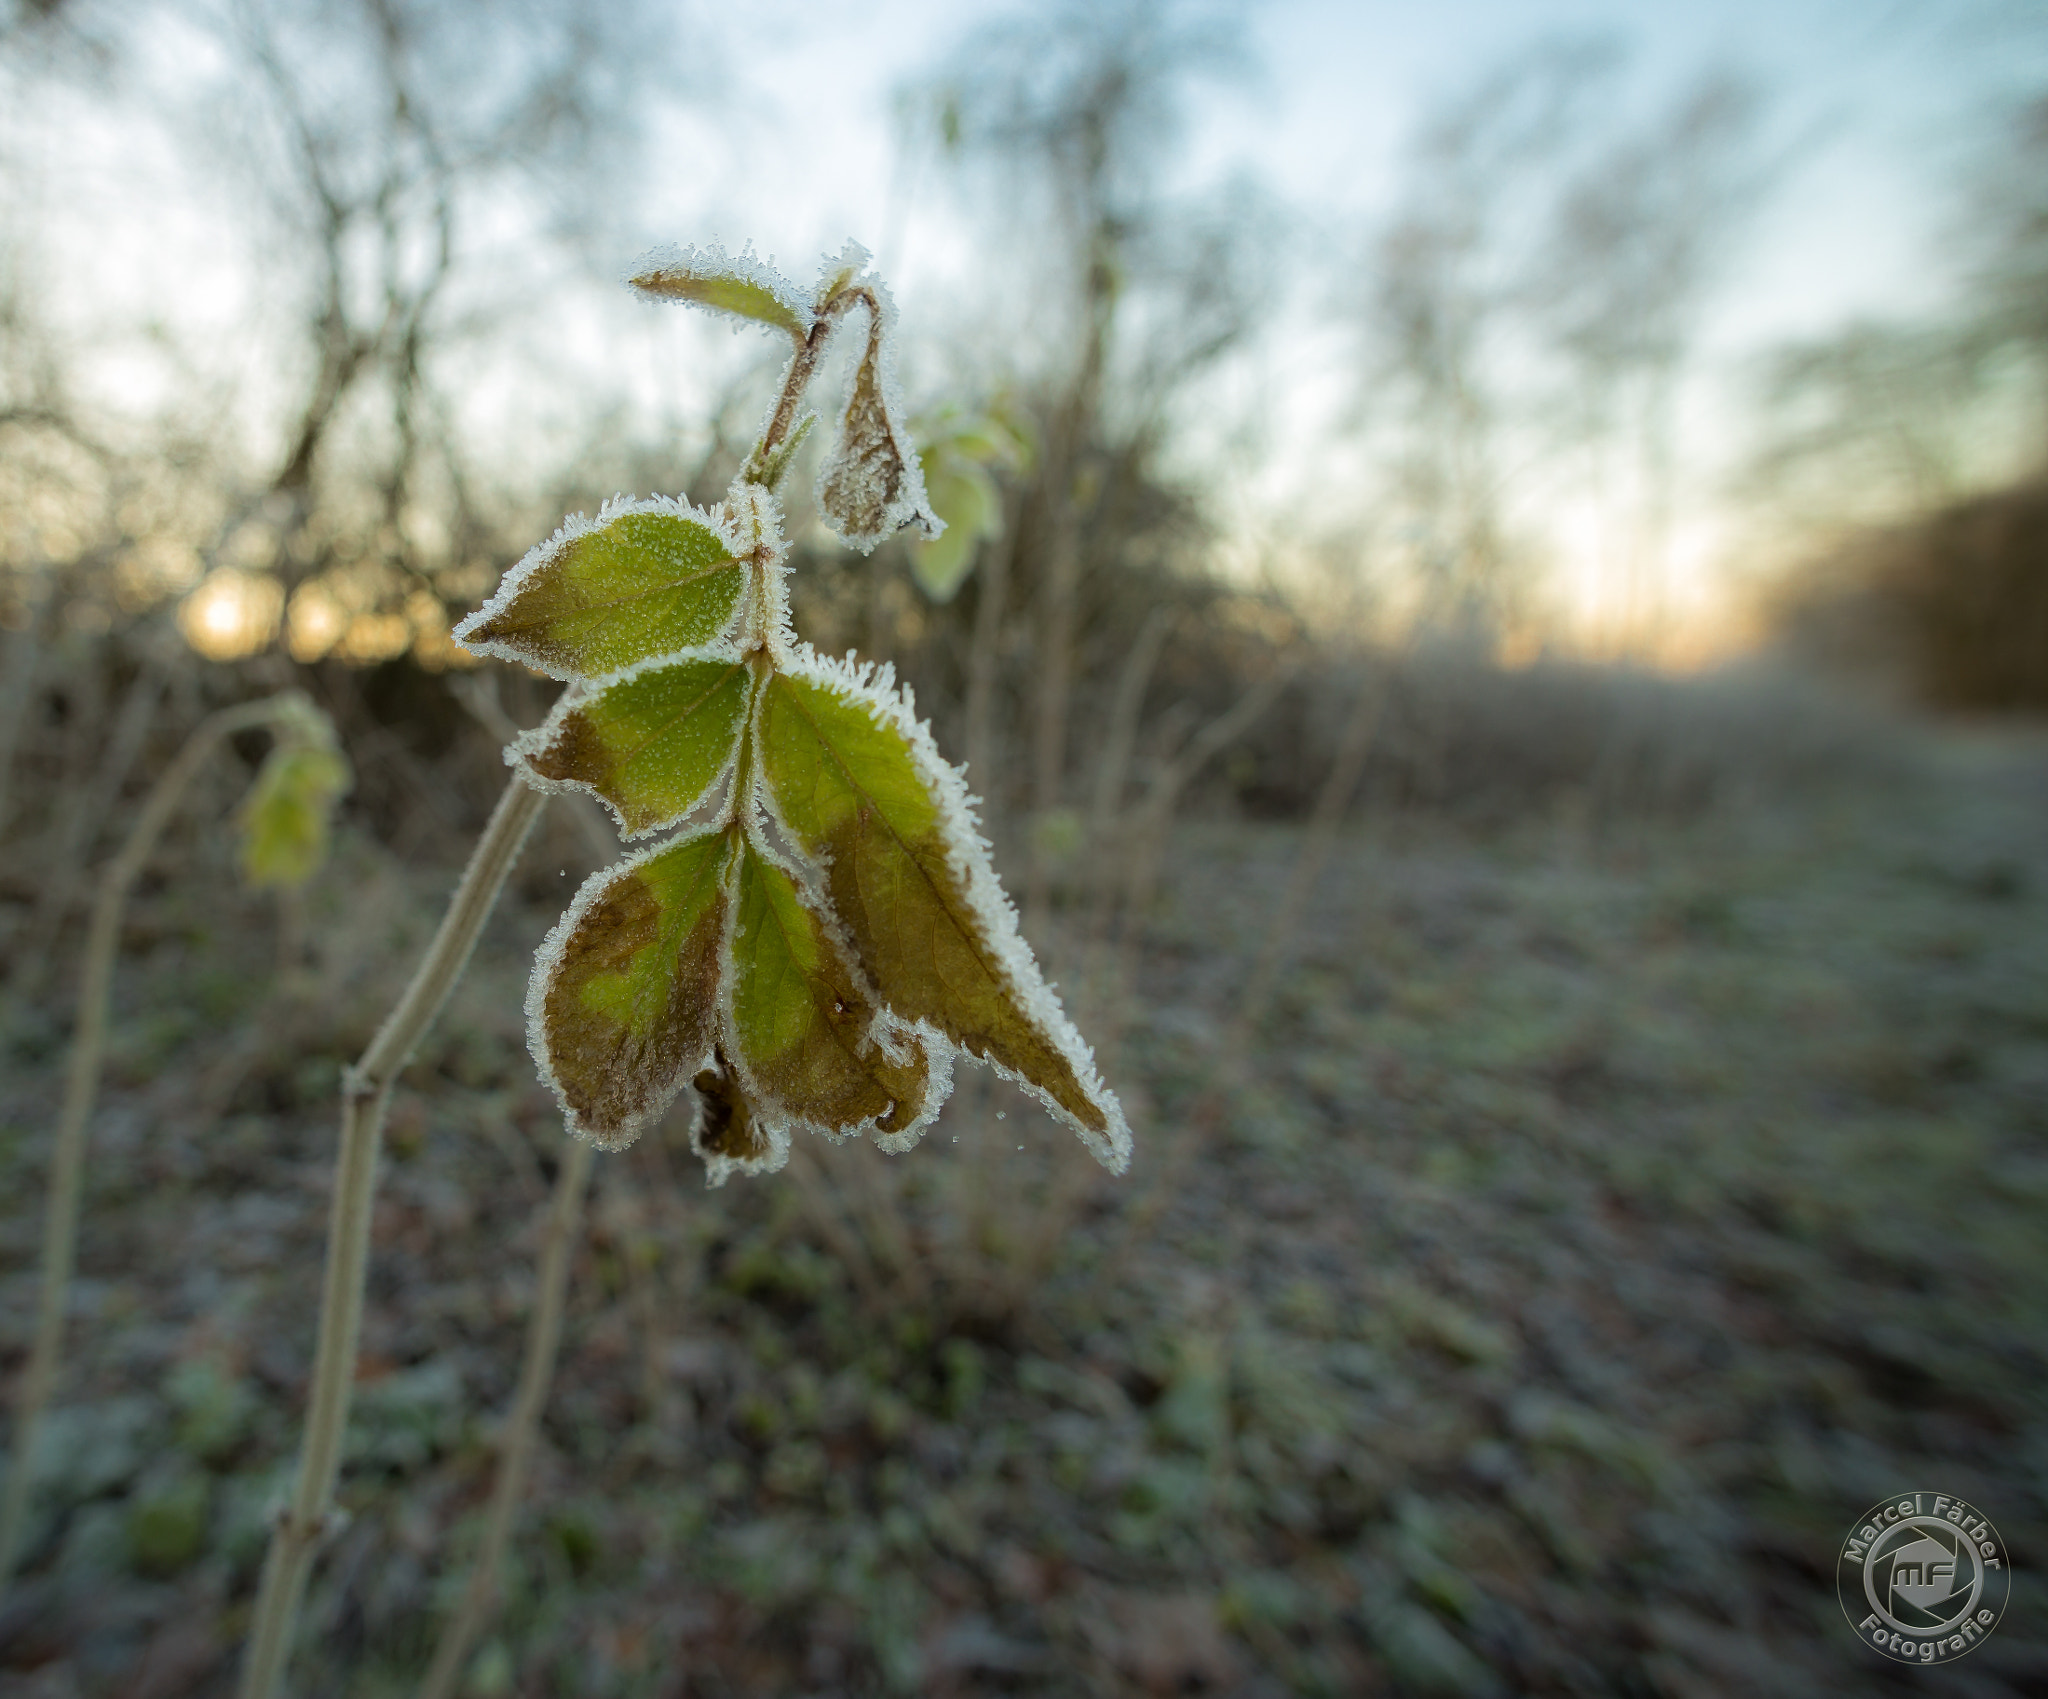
<point x="647" y="579"/>
<point x="287" y="817"/>
<point x="961" y="455"/>
<point x="167" y="1522"/>
<point x="738" y="284"/>
<point x="652" y="742"/>
<point x="625" y="993"/>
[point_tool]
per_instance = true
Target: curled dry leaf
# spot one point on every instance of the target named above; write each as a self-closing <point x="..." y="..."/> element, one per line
<point x="872" y="484"/>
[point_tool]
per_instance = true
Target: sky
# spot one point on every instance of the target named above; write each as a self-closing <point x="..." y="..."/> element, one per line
<point x="1873" y="108"/>
<point x="1879" y="97"/>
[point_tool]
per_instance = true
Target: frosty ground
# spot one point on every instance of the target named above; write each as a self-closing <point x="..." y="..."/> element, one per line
<point x="1607" y="1212"/>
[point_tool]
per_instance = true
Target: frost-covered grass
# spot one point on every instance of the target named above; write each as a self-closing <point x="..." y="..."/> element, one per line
<point x="1609" y="1214"/>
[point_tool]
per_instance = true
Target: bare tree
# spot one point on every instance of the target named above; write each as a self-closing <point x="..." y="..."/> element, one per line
<point x="1533" y="299"/>
<point x="1891" y="419"/>
<point x="387" y="128"/>
<point x="1076" y="113"/>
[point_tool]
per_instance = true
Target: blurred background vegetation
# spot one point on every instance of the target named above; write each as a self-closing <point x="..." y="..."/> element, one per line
<point x="1518" y="733"/>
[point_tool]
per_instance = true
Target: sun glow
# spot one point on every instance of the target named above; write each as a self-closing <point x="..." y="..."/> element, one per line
<point x="231" y="614"/>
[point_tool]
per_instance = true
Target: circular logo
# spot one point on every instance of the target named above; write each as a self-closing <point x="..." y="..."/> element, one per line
<point x="1923" y="1577"/>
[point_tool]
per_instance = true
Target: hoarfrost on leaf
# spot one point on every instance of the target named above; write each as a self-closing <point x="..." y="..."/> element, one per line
<point x="741" y="284"/>
<point x="823" y="931"/>
<point x="653" y="742"/>
<point x="872" y="485"/>
<point x="646" y="578"/>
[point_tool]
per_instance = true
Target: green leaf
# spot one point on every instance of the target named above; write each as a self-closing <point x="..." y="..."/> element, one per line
<point x="741" y="285"/>
<point x="652" y="742"/>
<point x="967" y="502"/>
<point x="285" y="820"/>
<point x="624" y="1001"/>
<point x="647" y="579"/>
<point x="857" y="782"/>
<point x="771" y="468"/>
<point x="803" y="1033"/>
<point x="840" y="273"/>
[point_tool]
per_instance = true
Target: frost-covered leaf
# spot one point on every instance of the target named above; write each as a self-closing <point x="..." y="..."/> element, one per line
<point x="647" y="578"/>
<point x="624" y="1002"/>
<point x="872" y="486"/>
<point x="842" y="270"/>
<point x="286" y="818"/>
<point x="858" y="783"/>
<point x="739" y="284"/>
<point x="653" y="741"/>
<point x="725" y="1131"/>
<point x="803" y="1033"/>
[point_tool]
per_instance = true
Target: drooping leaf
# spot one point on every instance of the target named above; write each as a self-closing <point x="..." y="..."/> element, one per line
<point x="858" y="783"/>
<point x="624" y="1002"/>
<point x="647" y="578"/>
<point x="803" y="1032"/>
<point x="286" y="818"/>
<point x="653" y="742"/>
<point x="871" y="486"/>
<point x="739" y="284"/>
<point x="725" y="1131"/>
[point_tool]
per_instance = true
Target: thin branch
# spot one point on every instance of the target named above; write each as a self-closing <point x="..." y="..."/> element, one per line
<point x="366" y="1097"/>
<point x="81" y="1088"/>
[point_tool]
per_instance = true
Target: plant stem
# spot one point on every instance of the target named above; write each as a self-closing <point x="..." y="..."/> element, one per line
<point x="803" y="364"/>
<point x="81" y="1087"/>
<point x="515" y="1460"/>
<point x="365" y="1099"/>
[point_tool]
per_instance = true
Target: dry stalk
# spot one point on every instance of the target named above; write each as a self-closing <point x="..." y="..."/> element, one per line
<point x="515" y="1460"/>
<point x="366" y="1098"/>
<point x="81" y="1088"/>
